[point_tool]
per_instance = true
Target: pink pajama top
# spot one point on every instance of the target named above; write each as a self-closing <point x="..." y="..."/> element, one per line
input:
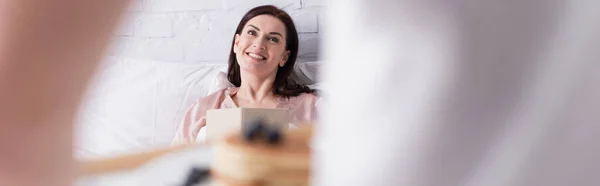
<point x="302" y="109"/>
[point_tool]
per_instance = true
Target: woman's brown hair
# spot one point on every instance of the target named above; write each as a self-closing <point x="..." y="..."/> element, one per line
<point x="284" y="85"/>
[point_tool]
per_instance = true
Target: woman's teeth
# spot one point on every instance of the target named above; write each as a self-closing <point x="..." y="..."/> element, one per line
<point x="256" y="56"/>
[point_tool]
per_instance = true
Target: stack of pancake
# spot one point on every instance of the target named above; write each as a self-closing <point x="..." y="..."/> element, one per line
<point x="243" y="162"/>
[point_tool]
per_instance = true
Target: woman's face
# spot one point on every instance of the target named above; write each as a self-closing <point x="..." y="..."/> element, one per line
<point x="260" y="47"/>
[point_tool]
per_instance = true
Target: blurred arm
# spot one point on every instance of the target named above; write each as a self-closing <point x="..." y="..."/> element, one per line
<point x="48" y="51"/>
<point x="460" y="93"/>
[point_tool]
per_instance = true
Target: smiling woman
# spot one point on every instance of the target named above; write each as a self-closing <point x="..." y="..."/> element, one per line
<point x="279" y="36"/>
<point x="262" y="58"/>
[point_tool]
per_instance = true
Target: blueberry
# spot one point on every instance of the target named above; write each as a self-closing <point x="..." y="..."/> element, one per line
<point x="274" y="135"/>
<point x="254" y="130"/>
<point x="196" y="175"/>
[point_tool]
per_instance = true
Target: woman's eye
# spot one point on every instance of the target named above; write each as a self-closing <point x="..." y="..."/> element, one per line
<point x="273" y="39"/>
<point x="252" y="32"/>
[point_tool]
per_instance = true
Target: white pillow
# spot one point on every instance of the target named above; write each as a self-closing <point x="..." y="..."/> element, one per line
<point x="220" y="82"/>
<point x="136" y="105"/>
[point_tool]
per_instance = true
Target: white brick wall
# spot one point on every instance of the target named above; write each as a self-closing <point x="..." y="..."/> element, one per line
<point x="191" y="31"/>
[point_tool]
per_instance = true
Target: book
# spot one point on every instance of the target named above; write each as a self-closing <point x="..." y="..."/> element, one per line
<point x="220" y="122"/>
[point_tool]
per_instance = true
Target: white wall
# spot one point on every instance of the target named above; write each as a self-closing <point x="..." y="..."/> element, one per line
<point x="195" y="31"/>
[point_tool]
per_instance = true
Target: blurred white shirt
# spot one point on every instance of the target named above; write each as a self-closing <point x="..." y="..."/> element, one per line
<point x="431" y="93"/>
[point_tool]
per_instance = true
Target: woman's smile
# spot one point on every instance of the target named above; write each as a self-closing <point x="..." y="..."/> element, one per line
<point x="256" y="56"/>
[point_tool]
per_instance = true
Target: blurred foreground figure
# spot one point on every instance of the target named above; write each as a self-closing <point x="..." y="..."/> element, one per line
<point x="48" y="51"/>
<point x="475" y="93"/>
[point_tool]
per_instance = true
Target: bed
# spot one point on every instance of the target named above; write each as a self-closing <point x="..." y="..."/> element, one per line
<point x="134" y="105"/>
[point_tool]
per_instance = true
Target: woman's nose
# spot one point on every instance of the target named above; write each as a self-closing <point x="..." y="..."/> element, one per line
<point x="259" y="43"/>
